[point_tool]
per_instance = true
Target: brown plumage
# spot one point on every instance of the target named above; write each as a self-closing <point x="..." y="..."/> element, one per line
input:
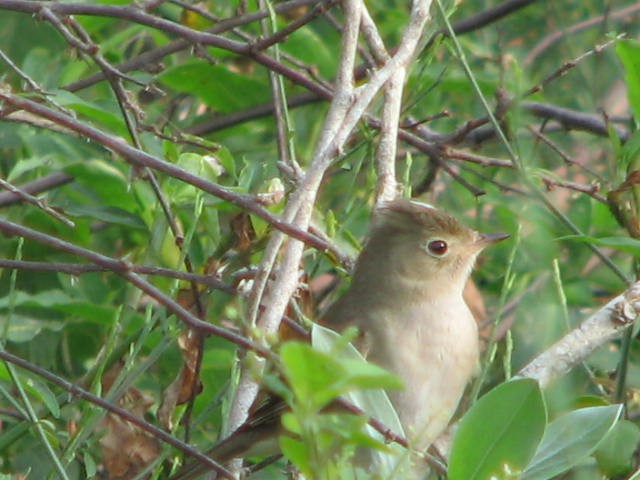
<point x="406" y="300"/>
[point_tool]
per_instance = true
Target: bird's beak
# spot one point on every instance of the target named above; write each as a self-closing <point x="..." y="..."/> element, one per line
<point x="489" y="238"/>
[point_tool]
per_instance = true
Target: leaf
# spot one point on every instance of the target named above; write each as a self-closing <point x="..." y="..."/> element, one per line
<point x="625" y="244"/>
<point x="109" y="185"/>
<point x="374" y="402"/>
<point x="615" y="452"/>
<point x="314" y="376"/>
<point x="95" y="112"/>
<point x="40" y="389"/>
<point x="297" y="452"/>
<point x="312" y="49"/>
<point x="569" y="439"/>
<point x="629" y="53"/>
<point x="112" y="215"/>
<point x="320" y="376"/>
<point x="216" y="85"/>
<point x="500" y="433"/>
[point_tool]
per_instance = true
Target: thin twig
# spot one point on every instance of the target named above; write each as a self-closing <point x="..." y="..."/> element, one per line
<point x="34" y="187"/>
<point x="116" y="410"/>
<point x="82" y="268"/>
<point x="38" y="202"/>
<point x="144" y="159"/>
<point x="604" y="325"/>
<point x="625" y="14"/>
<point x="124" y="269"/>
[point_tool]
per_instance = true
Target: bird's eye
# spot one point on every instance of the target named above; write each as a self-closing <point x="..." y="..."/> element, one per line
<point x="437" y="248"/>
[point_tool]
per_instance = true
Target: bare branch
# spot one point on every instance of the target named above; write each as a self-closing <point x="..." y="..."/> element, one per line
<point x="81" y="268"/>
<point x="36" y="186"/>
<point x="144" y="159"/>
<point x="117" y="410"/>
<point x="123" y="268"/>
<point x="604" y="325"/>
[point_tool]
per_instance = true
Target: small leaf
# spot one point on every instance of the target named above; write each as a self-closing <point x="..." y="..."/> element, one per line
<point x="46" y="395"/>
<point x="298" y="453"/>
<point x="500" y="433"/>
<point x="314" y="376"/>
<point x="569" y="439"/>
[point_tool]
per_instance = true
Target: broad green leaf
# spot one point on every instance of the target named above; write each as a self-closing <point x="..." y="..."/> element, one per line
<point x="500" y="433"/>
<point x="58" y="301"/>
<point x="44" y="299"/>
<point x="312" y="49"/>
<point x="625" y="244"/>
<point x="204" y="166"/>
<point x="373" y="402"/>
<point x="569" y="439"/>
<point x="110" y="185"/>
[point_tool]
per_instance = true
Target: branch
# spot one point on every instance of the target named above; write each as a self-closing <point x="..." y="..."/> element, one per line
<point x="38" y="202"/>
<point x="143" y="159"/>
<point x="575" y="120"/>
<point x="35" y="187"/>
<point x="124" y="269"/>
<point x="604" y="325"/>
<point x="191" y="36"/>
<point x="150" y="58"/>
<point x="625" y="14"/>
<point x="82" y="268"/>
<point x="116" y="410"/>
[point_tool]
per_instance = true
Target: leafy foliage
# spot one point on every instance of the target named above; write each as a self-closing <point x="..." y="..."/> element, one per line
<point x="103" y="265"/>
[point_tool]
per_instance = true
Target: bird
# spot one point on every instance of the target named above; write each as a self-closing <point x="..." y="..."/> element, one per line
<point x="406" y="301"/>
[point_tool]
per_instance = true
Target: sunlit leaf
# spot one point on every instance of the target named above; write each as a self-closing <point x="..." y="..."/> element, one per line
<point x="499" y="435"/>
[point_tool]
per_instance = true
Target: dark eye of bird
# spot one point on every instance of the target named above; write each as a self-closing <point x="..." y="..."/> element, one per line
<point x="438" y="247"/>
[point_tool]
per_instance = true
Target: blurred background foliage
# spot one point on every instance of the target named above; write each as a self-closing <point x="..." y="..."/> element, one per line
<point x="209" y="110"/>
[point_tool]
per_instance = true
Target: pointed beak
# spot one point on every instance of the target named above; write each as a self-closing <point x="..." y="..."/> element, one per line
<point x="485" y="239"/>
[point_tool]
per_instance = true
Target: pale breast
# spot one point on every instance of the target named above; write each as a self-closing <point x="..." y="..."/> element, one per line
<point x="435" y="355"/>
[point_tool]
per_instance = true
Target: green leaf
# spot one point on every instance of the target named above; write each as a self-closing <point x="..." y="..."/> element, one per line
<point x="204" y="166"/>
<point x="363" y="375"/>
<point x="314" y="377"/>
<point x="317" y="376"/>
<point x="216" y="85"/>
<point x="373" y="401"/>
<point x="627" y="155"/>
<point x="298" y="453"/>
<point x="109" y="185"/>
<point x="98" y="113"/>
<point x="499" y="435"/>
<point x="313" y="50"/>
<point x="615" y="453"/>
<point x="629" y="53"/>
<point x="569" y="439"/>
<point x="112" y="215"/>
<point x="24" y="329"/>
<point x="624" y="244"/>
<point x="45" y="394"/>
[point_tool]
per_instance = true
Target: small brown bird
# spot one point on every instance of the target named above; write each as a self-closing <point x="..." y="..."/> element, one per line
<point x="405" y="298"/>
